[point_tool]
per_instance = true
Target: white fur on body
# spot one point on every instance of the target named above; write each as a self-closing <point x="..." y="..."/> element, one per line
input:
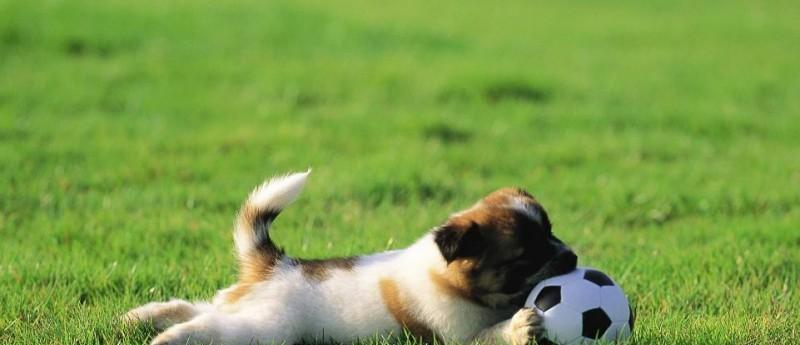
<point x="348" y="305"/>
<point x="289" y="307"/>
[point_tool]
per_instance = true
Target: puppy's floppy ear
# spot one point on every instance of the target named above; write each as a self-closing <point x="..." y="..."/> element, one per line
<point x="459" y="240"/>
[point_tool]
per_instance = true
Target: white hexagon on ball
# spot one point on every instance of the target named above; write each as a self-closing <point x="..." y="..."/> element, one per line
<point x="580" y="295"/>
<point x="559" y="322"/>
<point x="613" y="301"/>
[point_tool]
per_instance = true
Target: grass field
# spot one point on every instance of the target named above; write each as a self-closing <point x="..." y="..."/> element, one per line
<point x="663" y="137"/>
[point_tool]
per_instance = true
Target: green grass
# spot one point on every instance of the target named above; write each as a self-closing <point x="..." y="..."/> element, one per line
<point x="662" y="136"/>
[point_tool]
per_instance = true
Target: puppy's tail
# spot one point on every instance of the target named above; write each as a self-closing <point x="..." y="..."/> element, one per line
<point x="256" y="251"/>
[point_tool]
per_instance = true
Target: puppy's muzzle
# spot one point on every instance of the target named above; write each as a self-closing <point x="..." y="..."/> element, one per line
<point x="563" y="263"/>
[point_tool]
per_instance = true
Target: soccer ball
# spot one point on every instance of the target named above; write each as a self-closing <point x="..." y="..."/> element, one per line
<point x="581" y="307"/>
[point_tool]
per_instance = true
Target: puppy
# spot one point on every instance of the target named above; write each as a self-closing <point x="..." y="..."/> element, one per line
<point x="464" y="281"/>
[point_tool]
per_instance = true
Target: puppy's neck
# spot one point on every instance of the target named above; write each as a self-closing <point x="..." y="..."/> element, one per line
<point x="424" y="255"/>
<point x="424" y="262"/>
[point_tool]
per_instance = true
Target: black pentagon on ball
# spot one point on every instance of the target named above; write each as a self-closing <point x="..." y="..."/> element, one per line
<point x="598" y="278"/>
<point x="548" y="297"/>
<point x="595" y="323"/>
<point x="631" y="318"/>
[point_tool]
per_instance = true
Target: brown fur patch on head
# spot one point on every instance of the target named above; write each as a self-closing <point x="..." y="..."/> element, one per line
<point x="501" y="196"/>
<point x="489" y="223"/>
<point x="399" y="308"/>
<point x="493" y="247"/>
<point x="320" y="270"/>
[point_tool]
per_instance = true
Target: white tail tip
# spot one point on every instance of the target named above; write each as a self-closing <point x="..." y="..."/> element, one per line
<point x="278" y="191"/>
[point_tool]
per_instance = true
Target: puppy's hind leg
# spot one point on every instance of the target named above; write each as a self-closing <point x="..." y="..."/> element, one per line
<point x="164" y="315"/>
<point x="231" y="329"/>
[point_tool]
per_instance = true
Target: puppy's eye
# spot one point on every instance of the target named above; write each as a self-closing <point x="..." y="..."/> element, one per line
<point x="510" y="261"/>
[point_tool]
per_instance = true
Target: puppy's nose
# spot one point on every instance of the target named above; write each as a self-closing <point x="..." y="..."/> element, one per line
<point x="566" y="261"/>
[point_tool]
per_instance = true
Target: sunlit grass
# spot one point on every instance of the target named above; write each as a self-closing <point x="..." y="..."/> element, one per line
<point x="661" y="137"/>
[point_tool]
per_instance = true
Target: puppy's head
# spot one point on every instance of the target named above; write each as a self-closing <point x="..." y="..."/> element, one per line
<point x="498" y="249"/>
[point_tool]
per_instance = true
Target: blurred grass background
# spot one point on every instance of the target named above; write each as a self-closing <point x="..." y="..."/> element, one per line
<point x="662" y="137"/>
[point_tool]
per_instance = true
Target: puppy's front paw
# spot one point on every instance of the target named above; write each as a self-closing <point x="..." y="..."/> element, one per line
<point x="525" y="326"/>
